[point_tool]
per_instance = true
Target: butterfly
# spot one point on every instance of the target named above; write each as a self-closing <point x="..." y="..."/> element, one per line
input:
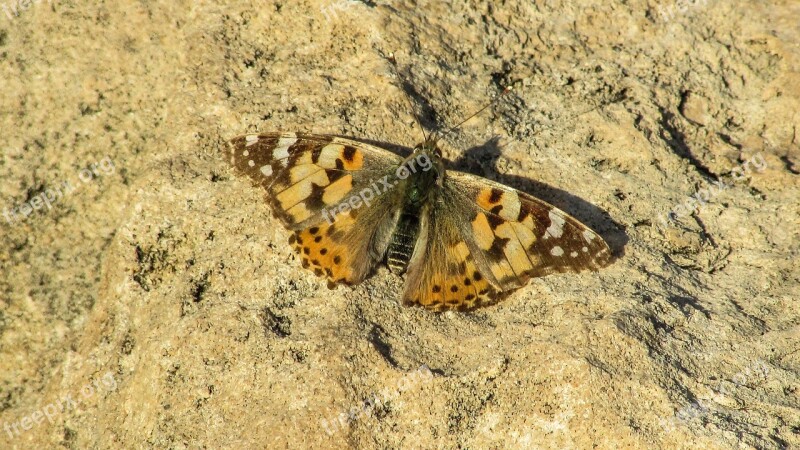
<point x="460" y="240"/>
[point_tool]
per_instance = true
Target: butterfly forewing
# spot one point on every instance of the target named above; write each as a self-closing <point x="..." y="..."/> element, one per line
<point x="523" y="236"/>
<point x="305" y="174"/>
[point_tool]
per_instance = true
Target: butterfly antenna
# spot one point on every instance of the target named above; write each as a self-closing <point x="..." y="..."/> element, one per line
<point x="405" y="94"/>
<point x="505" y="91"/>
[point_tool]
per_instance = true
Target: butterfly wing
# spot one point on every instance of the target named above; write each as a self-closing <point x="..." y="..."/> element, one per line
<point x="483" y="238"/>
<point x="444" y="272"/>
<point x="328" y="191"/>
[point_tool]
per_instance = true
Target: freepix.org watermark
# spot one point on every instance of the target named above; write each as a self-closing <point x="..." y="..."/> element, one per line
<point x="408" y="381"/>
<point x="15" y="7"/>
<point x="365" y="196"/>
<point x="754" y="373"/>
<point x="702" y="196"/>
<point x="52" y="410"/>
<point x="51" y="195"/>
<point x="331" y="11"/>
<point x="668" y="12"/>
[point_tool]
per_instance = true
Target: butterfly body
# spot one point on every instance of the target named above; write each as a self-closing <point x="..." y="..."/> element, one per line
<point x="401" y="248"/>
<point x="461" y="241"/>
<point x="418" y="188"/>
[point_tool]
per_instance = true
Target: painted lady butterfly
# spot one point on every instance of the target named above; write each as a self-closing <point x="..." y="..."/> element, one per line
<point x="461" y="240"/>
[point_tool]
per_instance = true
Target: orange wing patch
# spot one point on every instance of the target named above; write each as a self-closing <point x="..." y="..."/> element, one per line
<point x="342" y="157"/>
<point x="452" y="282"/>
<point x="484" y="230"/>
<point x="337" y="190"/>
<point x="302" y="189"/>
<point x="322" y="252"/>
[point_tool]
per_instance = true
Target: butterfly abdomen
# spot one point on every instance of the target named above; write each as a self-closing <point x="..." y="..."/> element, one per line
<point x="402" y="244"/>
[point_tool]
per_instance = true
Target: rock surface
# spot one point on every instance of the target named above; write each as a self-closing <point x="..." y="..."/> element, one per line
<point x="152" y="300"/>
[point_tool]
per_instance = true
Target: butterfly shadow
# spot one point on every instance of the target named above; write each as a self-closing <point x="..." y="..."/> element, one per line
<point x="482" y="160"/>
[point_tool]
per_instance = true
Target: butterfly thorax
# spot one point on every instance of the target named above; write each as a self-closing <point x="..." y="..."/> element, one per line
<point x="424" y="175"/>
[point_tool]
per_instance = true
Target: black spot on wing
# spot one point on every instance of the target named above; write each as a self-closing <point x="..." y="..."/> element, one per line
<point x="314" y="201"/>
<point x="349" y="153"/>
<point x="495" y="221"/>
<point x="496" y="250"/>
<point x="496" y="195"/>
<point x="315" y="154"/>
<point x="334" y="175"/>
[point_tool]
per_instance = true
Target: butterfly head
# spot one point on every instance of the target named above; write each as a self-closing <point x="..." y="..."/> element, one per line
<point x="424" y="169"/>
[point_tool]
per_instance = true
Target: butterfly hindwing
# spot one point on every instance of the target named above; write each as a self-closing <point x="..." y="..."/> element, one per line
<point x="444" y="273"/>
<point x="502" y="237"/>
<point x="312" y="184"/>
<point x="346" y="250"/>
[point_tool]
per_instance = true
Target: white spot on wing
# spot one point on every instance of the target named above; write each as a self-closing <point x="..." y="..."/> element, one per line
<point x="557" y="251"/>
<point x="266" y="170"/>
<point x="556" y="228"/>
<point x="250" y="139"/>
<point x="573" y="254"/>
<point x="585" y="249"/>
<point x="329" y="154"/>
<point x="251" y="163"/>
<point x="281" y="150"/>
<point x="245" y="153"/>
<point x="588" y="235"/>
<point x="511" y="206"/>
